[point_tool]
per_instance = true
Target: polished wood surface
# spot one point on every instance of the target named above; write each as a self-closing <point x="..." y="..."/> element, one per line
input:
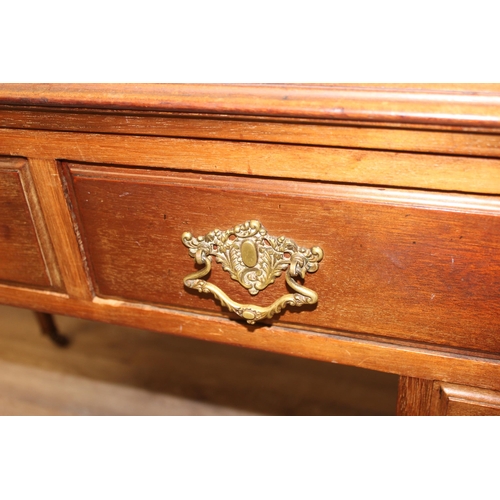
<point x="398" y="184"/>
<point x="59" y="223"/>
<point x="471" y="105"/>
<point x="340" y="165"/>
<point x="384" y="262"/>
<point x="424" y="398"/>
<point x="414" y="396"/>
<point x="456" y="400"/>
<point x="335" y="347"/>
<point x="22" y="230"/>
<point x="346" y="134"/>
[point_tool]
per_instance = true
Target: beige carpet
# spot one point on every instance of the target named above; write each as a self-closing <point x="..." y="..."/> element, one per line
<point x="110" y="370"/>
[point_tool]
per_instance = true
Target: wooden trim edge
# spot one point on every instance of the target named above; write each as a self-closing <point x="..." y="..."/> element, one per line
<point x="334" y="347"/>
<point x="461" y="106"/>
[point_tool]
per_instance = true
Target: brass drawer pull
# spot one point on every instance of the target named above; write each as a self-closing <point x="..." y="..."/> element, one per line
<point x="254" y="259"/>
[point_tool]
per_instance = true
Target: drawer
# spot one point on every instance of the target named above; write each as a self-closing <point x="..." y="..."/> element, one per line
<point x="399" y="264"/>
<point x="22" y="231"/>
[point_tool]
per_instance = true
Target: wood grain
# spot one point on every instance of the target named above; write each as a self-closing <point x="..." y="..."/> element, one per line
<point x="414" y="396"/>
<point x="332" y="347"/>
<point x="450" y="173"/>
<point x="409" y="283"/>
<point x="21" y="258"/>
<point x="456" y="400"/>
<point x="384" y="262"/>
<point x="418" y="397"/>
<point x="458" y="105"/>
<point x="41" y="230"/>
<point x="60" y="227"/>
<point x="474" y="142"/>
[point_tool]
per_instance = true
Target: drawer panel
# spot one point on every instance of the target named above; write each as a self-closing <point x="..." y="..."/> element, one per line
<point x="21" y="259"/>
<point x="457" y="400"/>
<point x="406" y="265"/>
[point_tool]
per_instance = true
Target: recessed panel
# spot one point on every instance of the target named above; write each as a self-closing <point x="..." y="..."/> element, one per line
<point x="21" y="260"/>
<point x="405" y="265"/>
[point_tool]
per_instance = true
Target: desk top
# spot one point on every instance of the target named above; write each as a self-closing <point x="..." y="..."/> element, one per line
<point x="464" y="105"/>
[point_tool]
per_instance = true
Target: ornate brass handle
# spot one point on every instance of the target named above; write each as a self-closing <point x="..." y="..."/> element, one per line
<point x="254" y="259"/>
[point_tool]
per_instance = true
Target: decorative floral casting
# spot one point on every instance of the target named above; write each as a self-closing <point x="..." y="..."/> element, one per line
<point x="255" y="259"/>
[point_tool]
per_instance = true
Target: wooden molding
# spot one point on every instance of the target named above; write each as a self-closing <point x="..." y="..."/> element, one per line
<point x="382" y="168"/>
<point x="420" y="397"/>
<point x="457" y="105"/>
<point x="60" y="225"/>
<point x="27" y="245"/>
<point x="457" y="400"/>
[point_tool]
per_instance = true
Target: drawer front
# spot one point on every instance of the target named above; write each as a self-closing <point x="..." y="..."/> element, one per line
<point x="456" y="400"/>
<point x="407" y="265"/>
<point x="21" y="259"/>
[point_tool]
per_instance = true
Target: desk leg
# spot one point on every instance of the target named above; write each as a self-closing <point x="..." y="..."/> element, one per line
<point x="49" y="328"/>
<point x="414" y="396"/>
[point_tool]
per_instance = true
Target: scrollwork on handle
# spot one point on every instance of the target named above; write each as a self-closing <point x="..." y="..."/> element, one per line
<point x="254" y="259"/>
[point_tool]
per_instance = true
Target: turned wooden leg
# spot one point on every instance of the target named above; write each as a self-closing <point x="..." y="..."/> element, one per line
<point x="49" y="328"/>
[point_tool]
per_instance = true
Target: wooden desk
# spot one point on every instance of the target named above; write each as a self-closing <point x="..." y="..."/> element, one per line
<point x="396" y="185"/>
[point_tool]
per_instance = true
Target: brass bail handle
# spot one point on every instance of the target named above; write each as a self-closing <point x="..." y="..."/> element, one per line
<point x="254" y="259"/>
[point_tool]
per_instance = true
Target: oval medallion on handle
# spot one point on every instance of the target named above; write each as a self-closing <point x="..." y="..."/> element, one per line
<point x="255" y="259"/>
<point x="249" y="253"/>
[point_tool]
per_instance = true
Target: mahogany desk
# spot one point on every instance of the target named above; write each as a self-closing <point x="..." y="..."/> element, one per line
<point x="350" y="224"/>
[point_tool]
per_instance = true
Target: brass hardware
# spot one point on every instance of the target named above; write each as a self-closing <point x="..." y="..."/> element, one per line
<point x="249" y="253"/>
<point x="254" y="259"/>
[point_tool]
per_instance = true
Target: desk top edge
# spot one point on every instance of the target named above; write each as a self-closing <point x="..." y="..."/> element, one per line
<point x="459" y="105"/>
